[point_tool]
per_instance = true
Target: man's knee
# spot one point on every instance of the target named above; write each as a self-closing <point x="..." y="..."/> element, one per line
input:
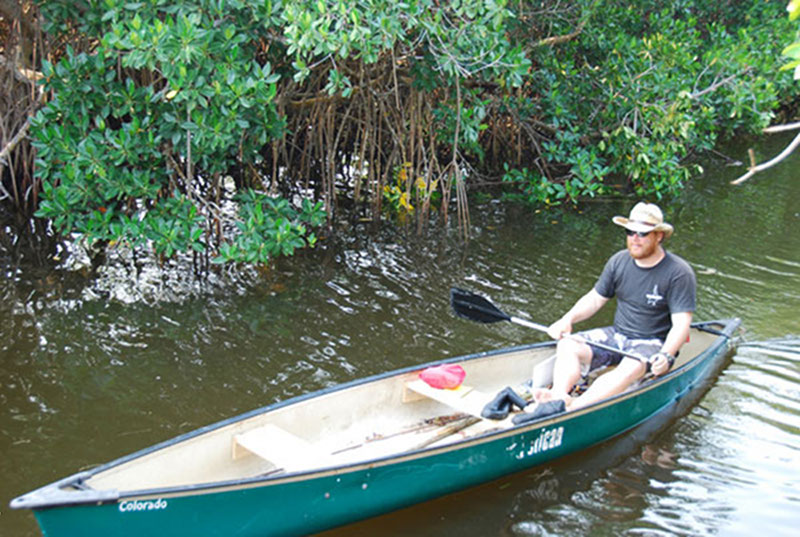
<point x="631" y="369"/>
<point x="568" y="346"/>
<point x="575" y="355"/>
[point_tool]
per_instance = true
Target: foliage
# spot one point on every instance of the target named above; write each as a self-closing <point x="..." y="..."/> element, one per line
<point x="142" y="127"/>
<point x="793" y="50"/>
<point x="156" y="107"/>
<point x="274" y="219"/>
<point x="406" y="193"/>
<point x="634" y="97"/>
<point x="168" y="98"/>
<point x="397" y="194"/>
<point x="585" y="174"/>
<point x="460" y="38"/>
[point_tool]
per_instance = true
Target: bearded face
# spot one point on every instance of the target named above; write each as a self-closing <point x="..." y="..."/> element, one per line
<point x="645" y="247"/>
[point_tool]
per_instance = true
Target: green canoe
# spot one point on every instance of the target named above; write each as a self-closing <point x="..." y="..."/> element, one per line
<point x="353" y="451"/>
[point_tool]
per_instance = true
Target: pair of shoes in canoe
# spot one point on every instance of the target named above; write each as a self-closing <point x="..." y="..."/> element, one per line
<point x="542" y="410"/>
<point x="499" y="407"/>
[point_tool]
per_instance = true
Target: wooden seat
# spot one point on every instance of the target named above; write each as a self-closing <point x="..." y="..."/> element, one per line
<point x="463" y="398"/>
<point x="278" y="446"/>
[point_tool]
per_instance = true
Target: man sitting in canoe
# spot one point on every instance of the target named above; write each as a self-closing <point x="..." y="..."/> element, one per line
<point x="656" y="296"/>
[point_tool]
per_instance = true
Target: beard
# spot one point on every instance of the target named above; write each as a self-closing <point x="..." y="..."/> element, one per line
<point x="642" y="249"/>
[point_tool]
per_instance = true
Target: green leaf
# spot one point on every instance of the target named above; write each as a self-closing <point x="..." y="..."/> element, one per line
<point x="793" y="51"/>
<point x="794" y="9"/>
<point x="790" y="65"/>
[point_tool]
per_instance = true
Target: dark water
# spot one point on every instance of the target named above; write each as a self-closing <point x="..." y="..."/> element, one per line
<point x="86" y="377"/>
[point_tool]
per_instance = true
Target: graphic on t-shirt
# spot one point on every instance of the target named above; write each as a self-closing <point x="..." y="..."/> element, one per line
<point x="654" y="297"/>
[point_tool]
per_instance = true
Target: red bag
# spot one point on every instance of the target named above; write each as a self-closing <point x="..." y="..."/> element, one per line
<point x="448" y="376"/>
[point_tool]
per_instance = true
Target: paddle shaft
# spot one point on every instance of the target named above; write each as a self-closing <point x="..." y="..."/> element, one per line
<point x="474" y="307"/>
<point x="543" y="328"/>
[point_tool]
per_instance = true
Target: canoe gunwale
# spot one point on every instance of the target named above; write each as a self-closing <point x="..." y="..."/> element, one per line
<point x="53" y="495"/>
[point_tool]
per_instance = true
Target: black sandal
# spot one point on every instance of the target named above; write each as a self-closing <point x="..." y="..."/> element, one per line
<point x="499" y="407"/>
<point x="542" y="410"/>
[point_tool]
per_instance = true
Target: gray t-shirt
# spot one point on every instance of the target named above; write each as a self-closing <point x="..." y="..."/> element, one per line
<point x="647" y="296"/>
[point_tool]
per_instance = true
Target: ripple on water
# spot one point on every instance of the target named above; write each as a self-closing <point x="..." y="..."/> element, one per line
<point x="732" y="470"/>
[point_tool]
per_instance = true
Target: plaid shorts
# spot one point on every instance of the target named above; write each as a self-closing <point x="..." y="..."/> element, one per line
<point x="611" y="338"/>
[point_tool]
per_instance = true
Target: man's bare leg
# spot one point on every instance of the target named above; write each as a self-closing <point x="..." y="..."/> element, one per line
<point x="615" y="381"/>
<point x="570" y="354"/>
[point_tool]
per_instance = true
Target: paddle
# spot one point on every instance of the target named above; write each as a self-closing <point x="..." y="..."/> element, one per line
<point x="474" y="307"/>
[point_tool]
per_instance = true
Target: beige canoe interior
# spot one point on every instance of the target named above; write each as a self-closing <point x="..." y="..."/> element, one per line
<point x="391" y="415"/>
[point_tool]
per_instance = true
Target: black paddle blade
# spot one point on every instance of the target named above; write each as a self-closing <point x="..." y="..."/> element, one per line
<point x="474" y="307"/>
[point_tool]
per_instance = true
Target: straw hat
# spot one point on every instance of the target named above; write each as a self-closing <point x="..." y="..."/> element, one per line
<point x="645" y="217"/>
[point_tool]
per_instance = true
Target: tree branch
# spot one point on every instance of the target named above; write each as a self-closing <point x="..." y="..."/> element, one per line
<point x="7" y="151"/>
<point x="761" y="167"/>
<point x="13" y="143"/>
<point x="718" y="84"/>
<point x="783" y="128"/>
<point x="26" y="76"/>
<point x="559" y="39"/>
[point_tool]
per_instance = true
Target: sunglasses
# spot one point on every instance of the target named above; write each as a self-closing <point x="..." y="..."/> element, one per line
<point x="642" y="234"/>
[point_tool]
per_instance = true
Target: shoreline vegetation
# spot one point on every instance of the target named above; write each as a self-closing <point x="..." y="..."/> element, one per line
<point x="233" y="131"/>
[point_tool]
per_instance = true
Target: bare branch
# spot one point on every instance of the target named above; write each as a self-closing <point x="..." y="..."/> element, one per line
<point x="761" y="167"/>
<point x="783" y="128"/>
<point x="560" y="39"/>
<point x="26" y="76"/>
<point x="718" y="84"/>
<point x="13" y="143"/>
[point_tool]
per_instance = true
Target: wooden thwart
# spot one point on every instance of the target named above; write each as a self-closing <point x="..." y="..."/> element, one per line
<point x="463" y="398"/>
<point x="278" y="446"/>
